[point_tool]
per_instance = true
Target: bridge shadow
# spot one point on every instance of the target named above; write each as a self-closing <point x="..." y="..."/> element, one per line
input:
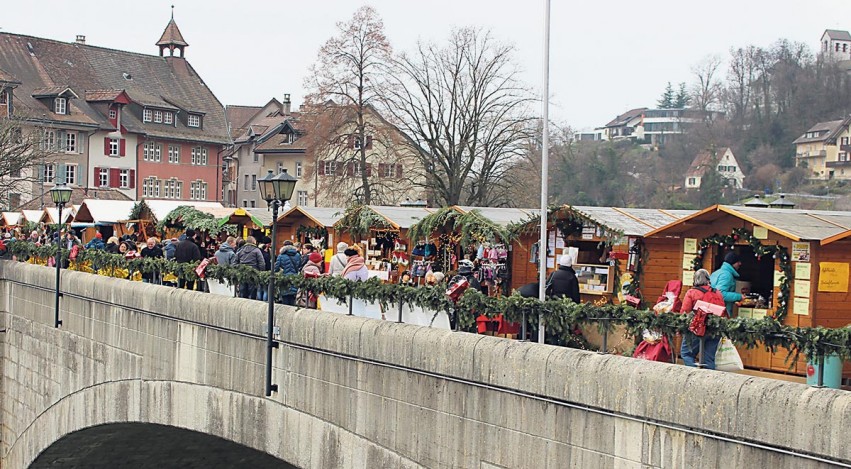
<point x="147" y="445"/>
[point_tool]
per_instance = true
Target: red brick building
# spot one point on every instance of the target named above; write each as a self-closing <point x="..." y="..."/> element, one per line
<point x="146" y="125"/>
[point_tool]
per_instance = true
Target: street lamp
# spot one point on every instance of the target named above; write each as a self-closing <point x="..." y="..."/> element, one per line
<point x="61" y="195"/>
<point x="276" y="191"/>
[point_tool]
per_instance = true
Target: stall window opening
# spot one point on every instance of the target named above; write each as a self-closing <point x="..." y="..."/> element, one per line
<point x="755" y="274"/>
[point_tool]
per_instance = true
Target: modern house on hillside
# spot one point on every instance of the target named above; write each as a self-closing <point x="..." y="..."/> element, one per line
<point x="145" y="125"/>
<point x="824" y="150"/>
<point x="723" y="162"/>
<point x="653" y="126"/>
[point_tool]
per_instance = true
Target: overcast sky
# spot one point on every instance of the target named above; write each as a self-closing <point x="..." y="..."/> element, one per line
<point x="606" y="57"/>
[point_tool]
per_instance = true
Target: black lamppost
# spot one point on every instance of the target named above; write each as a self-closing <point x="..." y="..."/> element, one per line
<point x="275" y="190"/>
<point x="61" y="195"/>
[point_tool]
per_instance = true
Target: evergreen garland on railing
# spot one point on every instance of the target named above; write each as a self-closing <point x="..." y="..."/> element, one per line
<point x="561" y="316"/>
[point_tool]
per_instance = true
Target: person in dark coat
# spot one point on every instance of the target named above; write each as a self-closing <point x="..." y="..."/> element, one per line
<point x="251" y="256"/>
<point x="288" y="263"/>
<point x="563" y="282"/>
<point x="465" y="269"/>
<point x="151" y="251"/>
<point x="185" y="252"/>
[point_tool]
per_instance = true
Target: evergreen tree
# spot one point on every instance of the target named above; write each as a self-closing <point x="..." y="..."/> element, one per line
<point x="682" y="98"/>
<point x="667" y="99"/>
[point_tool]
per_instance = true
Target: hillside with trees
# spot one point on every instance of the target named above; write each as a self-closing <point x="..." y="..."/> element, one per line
<point x="770" y="96"/>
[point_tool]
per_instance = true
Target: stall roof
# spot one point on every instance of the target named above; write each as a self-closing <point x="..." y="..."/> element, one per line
<point x="629" y="221"/>
<point x="51" y="213"/>
<point x="816" y="225"/>
<point x="104" y="211"/>
<point x="501" y="216"/>
<point x="11" y="218"/>
<point x="32" y="215"/>
<point x="401" y="217"/>
<point x="264" y="216"/>
<point x="322" y="216"/>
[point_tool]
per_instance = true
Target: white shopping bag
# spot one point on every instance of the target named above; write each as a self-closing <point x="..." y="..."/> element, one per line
<point x="727" y="357"/>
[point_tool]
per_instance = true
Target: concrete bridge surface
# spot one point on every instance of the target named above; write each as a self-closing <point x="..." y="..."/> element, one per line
<point x="147" y="376"/>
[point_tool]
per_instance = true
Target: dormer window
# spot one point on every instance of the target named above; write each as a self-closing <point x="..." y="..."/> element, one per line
<point x="4" y="97"/>
<point x="158" y="117"/>
<point x="194" y="120"/>
<point x="113" y="114"/>
<point x="289" y="138"/>
<point x="60" y="105"/>
<point x="168" y="117"/>
<point x="147" y="115"/>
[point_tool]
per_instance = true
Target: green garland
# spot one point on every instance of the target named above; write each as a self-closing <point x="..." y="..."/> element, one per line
<point x="760" y="250"/>
<point x="312" y="232"/>
<point x="139" y="209"/>
<point x="560" y="315"/>
<point x="360" y="220"/>
<point x="185" y="217"/>
<point x="473" y="227"/>
<point x="569" y="221"/>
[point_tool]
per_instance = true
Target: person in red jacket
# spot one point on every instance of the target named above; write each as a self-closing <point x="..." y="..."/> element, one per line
<point x="691" y="343"/>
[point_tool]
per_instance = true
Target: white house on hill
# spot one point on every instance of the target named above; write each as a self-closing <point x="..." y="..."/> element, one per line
<point x="723" y="162"/>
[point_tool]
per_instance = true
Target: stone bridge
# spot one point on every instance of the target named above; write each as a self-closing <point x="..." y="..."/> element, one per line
<point x="148" y="376"/>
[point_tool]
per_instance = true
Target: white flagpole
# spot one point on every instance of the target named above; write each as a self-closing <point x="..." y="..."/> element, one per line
<point x="545" y="163"/>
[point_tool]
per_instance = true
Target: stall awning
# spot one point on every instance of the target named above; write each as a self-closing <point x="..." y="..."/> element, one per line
<point x="321" y="216"/>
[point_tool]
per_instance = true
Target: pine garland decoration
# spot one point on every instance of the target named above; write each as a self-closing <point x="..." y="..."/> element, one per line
<point x="360" y="220"/>
<point x="560" y="315"/>
<point x="776" y="251"/>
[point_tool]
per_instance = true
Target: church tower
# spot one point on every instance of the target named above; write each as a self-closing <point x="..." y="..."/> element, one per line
<point x="172" y="39"/>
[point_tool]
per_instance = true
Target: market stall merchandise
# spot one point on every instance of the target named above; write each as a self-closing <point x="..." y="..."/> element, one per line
<point x="794" y="266"/>
<point x="608" y="240"/>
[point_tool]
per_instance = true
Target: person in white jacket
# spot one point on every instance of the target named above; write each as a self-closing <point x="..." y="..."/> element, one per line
<point x="339" y="260"/>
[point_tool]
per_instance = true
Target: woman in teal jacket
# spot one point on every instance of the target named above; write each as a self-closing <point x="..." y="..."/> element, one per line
<point x="724" y="280"/>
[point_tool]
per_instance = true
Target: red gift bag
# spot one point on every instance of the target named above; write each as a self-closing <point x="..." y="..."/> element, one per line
<point x="698" y="323"/>
<point x="657" y="352"/>
<point x="456" y="289"/>
<point x="201" y="269"/>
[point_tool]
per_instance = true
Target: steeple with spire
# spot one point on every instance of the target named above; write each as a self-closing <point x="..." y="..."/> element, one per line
<point x="172" y="39"/>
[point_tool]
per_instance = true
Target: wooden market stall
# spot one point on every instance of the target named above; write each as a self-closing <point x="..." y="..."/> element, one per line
<point x="307" y="224"/>
<point x="794" y="262"/>
<point x="603" y="236"/>
<point x="50" y="215"/>
<point x="382" y="233"/>
<point x="483" y="233"/>
<point x="104" y="216"/>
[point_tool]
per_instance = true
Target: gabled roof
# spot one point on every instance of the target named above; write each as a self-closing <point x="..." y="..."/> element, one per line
<point x="11" y="218"/>
<point x="828" y="131"/>
<point x="704" y="160"/>
<point x="161" y="208"/>
<point x="43" y="64"/>
<point x="626" y="117"/>
<point x="499" y="215"/>
<point x="172" y="36"/>
<point x="104" y="211"/>
<point x="322" y="216"/>
<point x="33" y="216"/>
<point x="51" y="91"/>
<point x="837" y="34"/>
<point x="797" y="225"/>
<point x="50" y="214"/>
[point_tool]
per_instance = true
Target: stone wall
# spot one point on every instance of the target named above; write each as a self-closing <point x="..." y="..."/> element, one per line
<point x="357" y="392"/>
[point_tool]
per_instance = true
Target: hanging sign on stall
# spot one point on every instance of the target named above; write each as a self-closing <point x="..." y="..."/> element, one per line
<point x="760" y="232"/>
<point x="800" y="252"/>
<point x="778" y="278"/>
<point x="688" y="277"/>
<point x="802" y="288"/>
<point x="801" y="306"/>
<point x="833" y="277"/>
<point x="803" y="271"/>
<point x="690" y="246"/>
<point x="588" y="232"/>
<point x="687" y="261"/>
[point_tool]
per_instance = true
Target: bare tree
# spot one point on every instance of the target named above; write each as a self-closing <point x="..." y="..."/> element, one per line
<point x="467" y="113"/>
<point x="22" y="150"/>
<point x="741" y="75"/>
<point x="706" y="91"/>
<point x="345" y="82"/>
